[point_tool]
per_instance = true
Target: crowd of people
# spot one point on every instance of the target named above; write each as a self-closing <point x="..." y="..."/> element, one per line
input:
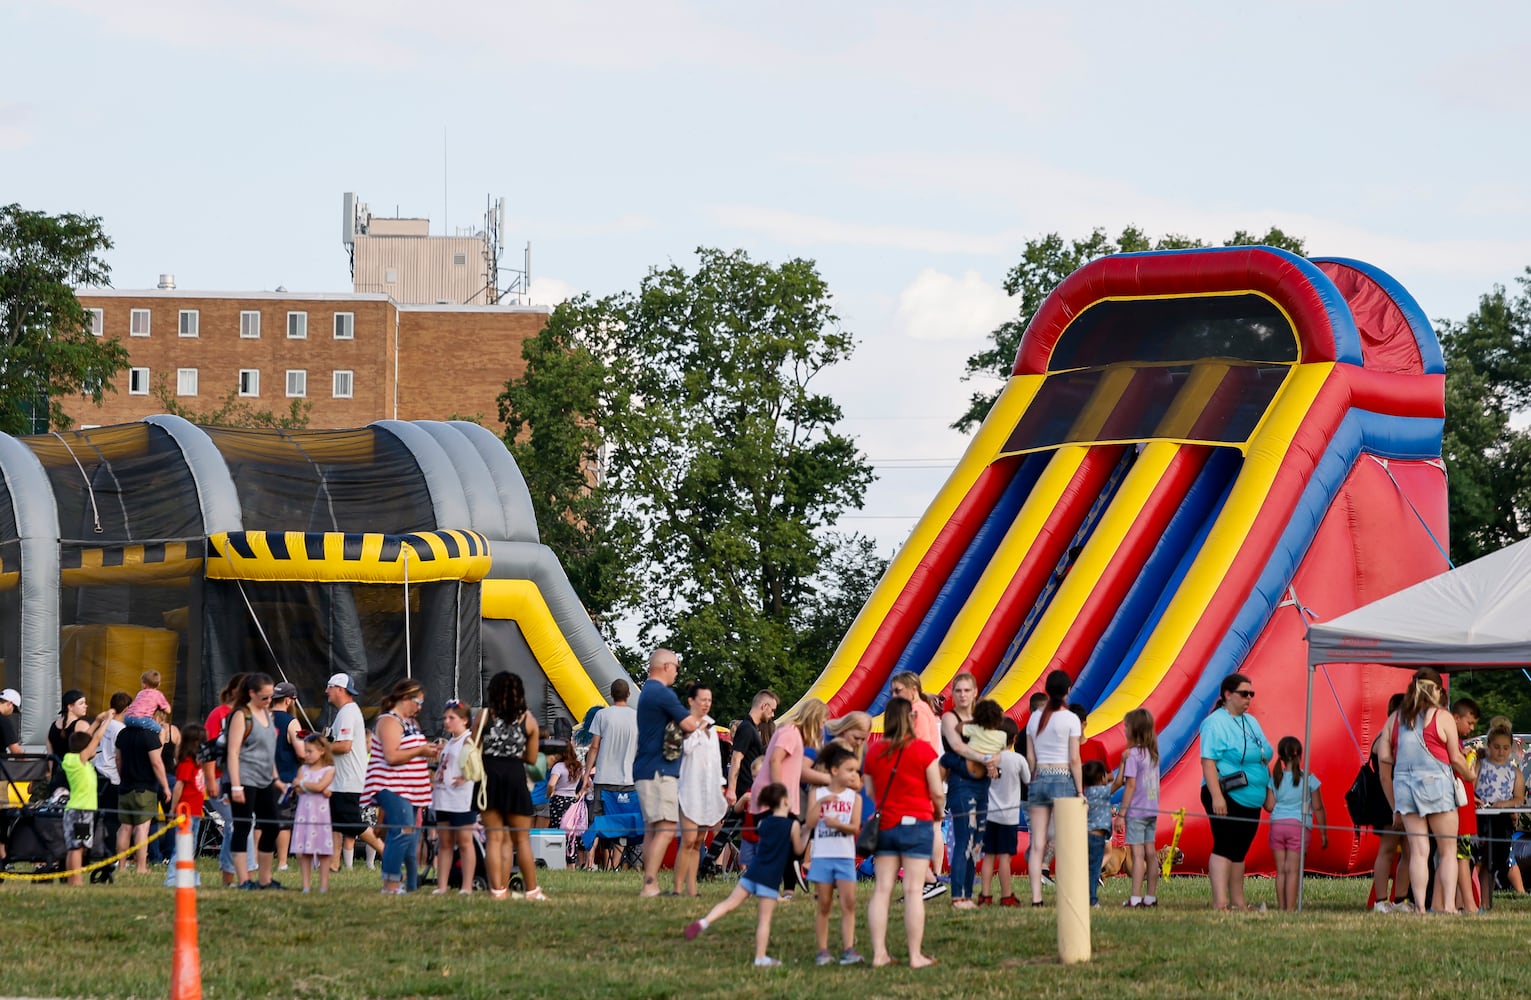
<point x="793" y="804"/>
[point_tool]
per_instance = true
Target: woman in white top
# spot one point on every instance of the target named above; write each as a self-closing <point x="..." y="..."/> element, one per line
<point x="452" y="801"/>
<point x="1052" y="753"/>
<point x="704" y="799"/>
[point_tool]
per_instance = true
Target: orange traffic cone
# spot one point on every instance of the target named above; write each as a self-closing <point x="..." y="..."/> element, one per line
<point x="186" y="961"/>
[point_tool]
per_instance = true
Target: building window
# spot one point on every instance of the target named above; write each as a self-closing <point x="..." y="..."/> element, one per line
<point x="191" y="320"/>
<point x="345" y="326"/>
<point x="138" y="323"/>
<point x="97" y="322"/>
<point x="297" y="382"/>
<point x="297" y="326"/>
<point x="390" y="276"/>
<point x="342" y="388"/>
<point x="138" y="381"/>
<point x="249" y="324"/>
<point x="185" y="381"/>
<point x="249" y="381"/>
<point x="460" y="259"/>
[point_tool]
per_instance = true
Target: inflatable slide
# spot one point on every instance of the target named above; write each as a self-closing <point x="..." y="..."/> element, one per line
<point x="1197" y="452"/>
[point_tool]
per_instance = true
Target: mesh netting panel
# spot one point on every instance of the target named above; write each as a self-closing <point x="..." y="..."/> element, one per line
<point x="346" y="480"/>
<point x="111" y="633"/>
<point x="316" y="630"/>
<point x="127" y="483"/>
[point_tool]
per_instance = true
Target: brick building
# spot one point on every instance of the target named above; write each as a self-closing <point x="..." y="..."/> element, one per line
<point x="356" y="357"/>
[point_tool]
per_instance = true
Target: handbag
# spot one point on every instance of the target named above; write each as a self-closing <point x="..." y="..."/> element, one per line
<point x="1461" y="790"/>
<point x="871" y="826"/>
<point x="1366" y="801"/>
<point x="1228" y="782"/>
<point x="576" y="819"/>
<point x="470" y="762"/>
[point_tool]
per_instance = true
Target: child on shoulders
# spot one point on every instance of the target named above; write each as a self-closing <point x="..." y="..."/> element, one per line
<point x="140" y="713"/>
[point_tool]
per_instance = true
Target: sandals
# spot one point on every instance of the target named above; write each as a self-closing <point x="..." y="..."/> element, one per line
<point x="535" y="895"/>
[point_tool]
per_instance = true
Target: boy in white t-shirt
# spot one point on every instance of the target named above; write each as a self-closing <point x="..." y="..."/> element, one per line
<point x="1002" y="833"/>
<point x="834" y="816"/>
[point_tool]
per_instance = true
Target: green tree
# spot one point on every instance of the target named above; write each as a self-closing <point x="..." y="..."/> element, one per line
<point x="232" y="411"/>
<point x="47" y="352"/>
<point x="681" y="429"/>
<point x="557" y="417"/>
<point x="1044" y="264"/>
<point x="1488" y="378"/>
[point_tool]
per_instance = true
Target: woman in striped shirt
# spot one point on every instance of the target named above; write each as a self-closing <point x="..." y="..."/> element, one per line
<point x="399" y="782"/>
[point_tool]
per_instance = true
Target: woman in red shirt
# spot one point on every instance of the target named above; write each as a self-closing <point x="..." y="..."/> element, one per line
<point x="903" y="776"/>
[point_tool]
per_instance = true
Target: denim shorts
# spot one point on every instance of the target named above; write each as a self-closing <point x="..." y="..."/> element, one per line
<point x="1140" y="829"/>
<point x="830" y="870"/>
<point x="1050" y="785"/>
<point x="912" y="841"/>
<point x="757" y="889"/>
<point x="457" y="820"/>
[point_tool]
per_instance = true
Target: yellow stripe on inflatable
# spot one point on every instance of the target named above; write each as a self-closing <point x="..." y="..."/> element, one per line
<point x="1266" y="451"/>
<point x="1191" y="401"/>
<point x="1108" y="392"/>
<point x="135" y="567"/>
<point x="520" y="601"/>
<point x="1012" y="402"/>
<point x="1076" y="588"/>
<point x="347" y="557"/>
<point x="978" y="610"/>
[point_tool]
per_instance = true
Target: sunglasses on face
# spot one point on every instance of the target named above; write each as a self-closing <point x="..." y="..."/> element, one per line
<point x="1249" y="693"/>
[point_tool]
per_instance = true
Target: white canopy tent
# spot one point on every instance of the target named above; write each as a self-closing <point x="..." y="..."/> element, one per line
<point x="1474" y="617"/>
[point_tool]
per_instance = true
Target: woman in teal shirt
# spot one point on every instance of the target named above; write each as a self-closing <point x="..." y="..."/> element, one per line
<point x="1234" y="752"/>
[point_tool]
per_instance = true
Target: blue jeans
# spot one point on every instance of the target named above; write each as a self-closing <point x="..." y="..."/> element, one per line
<point x="1097" y="855"/>
<point x="969" y="803"/>
<point x="400" y="863"/>
<point x="226" y="849"/>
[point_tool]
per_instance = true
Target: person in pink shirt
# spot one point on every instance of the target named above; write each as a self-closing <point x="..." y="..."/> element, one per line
<point x="149" y="700"/>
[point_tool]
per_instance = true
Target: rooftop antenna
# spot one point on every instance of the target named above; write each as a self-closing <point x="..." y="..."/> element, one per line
<point x="446" y="230"/>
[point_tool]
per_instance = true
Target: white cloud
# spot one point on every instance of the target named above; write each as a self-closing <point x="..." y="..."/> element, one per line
<point x="937" y="306"/>
<point x="551" y="291"/>
<point x="800" y="229"/>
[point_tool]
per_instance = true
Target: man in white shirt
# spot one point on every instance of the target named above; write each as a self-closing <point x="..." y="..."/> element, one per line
<point x="348" y="742"/>
<point x="613" y="746"/>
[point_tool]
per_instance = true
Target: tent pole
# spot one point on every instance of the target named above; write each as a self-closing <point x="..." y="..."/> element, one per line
<point x="1307" y="743"/>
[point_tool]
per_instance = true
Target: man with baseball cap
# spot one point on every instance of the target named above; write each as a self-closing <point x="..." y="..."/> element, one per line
<point x="10" y="703"/>
<point x="348" y="742"/>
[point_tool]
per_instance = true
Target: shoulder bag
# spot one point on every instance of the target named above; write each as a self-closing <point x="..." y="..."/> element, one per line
<point x="471" y="761"/>
<point x="871" y="826"/>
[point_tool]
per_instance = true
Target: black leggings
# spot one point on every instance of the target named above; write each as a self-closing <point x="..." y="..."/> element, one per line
<point x="259" y="808"/>
<point x="1231" y="834"/>
<point x="1496" y="832"/>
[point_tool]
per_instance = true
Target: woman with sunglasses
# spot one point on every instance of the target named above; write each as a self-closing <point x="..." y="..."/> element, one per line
<point x="399" y="783"/>
<point x="1234" y="754"/>
<point x="252" y="779"/>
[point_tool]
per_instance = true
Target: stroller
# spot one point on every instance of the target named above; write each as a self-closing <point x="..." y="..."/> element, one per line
<point x="34" y="833"/>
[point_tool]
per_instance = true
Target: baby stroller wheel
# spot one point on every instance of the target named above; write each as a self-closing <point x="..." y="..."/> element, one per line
<point x="516" y="884"/>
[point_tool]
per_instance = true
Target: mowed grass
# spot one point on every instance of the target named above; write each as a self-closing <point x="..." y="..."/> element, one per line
<point x="597" y="939"/>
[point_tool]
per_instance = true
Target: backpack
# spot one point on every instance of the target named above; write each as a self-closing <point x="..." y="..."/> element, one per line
<point x="1366" y="801"/>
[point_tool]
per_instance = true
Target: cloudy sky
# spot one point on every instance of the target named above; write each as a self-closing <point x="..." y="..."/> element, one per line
<point x="910" y="149"/>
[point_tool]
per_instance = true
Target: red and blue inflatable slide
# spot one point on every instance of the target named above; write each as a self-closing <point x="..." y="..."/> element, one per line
<point x="1195" y="449"/>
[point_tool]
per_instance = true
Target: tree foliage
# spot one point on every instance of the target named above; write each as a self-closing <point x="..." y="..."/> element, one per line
<point x="1488" y="459"/>
<point x="1044" y="264"/>
<point x="233" y="411"/>
<point x="47" y="352"/>
<point x="686" y="468"/>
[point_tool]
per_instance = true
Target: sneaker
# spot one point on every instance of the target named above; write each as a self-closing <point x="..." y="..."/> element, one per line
<point x="933" y="889"/>
<point x="249" y="883"/>
<point x="823" y="958"/>
<point x="985" y="900"/>
<point x="1009" y="901"/>
<point x="767" y="962"/>
<point x="273" y="884"/>
<point x="851" y="956"/>
<point x="1046" y="879"/>
<point x="1128" y="904"/>
<point x="693" y="929"/>
<point x="1382" y="907"/>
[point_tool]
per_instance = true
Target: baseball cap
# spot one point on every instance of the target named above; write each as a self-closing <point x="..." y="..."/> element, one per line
<point x="13" y="696"/>
<point x="342" y="681"/>
<point x="284" y="690"/>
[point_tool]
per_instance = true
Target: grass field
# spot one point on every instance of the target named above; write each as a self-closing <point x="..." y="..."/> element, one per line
<point x="596" y="938"/>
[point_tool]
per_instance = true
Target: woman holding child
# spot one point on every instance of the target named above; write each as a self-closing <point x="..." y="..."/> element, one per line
<point x="967" y="787"/>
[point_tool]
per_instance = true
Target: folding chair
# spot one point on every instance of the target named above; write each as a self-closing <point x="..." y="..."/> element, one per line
<point x="621" y="820"/>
